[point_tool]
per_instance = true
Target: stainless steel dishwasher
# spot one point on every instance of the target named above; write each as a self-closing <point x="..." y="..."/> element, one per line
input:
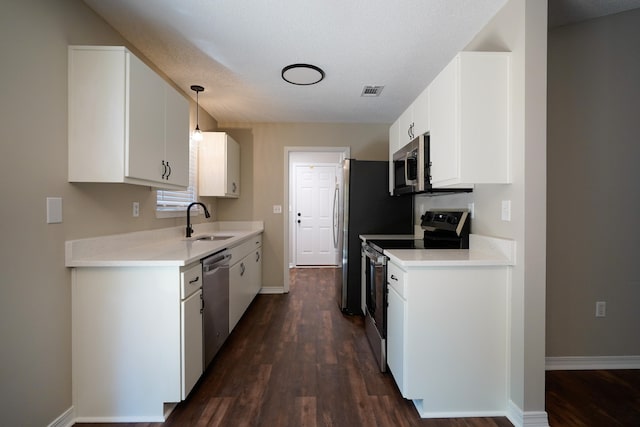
<point x="215" y="297"/>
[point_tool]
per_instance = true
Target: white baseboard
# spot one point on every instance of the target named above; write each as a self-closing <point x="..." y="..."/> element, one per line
<point x="520" y="418"/>
<point x="67" y="419"/>
<point x="590" y="363"/>
<point x="419" y="405"/>
<point x="272" y="290"/>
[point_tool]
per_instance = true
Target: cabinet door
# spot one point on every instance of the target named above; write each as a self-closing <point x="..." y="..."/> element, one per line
<point x="233" y="168"/>
<point x="237" y="292"/>
<point x="421" y="113"/>
<point x="145" y="140"/>
<point x="444" y="119"/>
<point x="396" y="312"/>
<point x="406" y="125"/>
<point x="177" y="137"/>
<point x="191" y="338"/>
<point x="256" y="272"/>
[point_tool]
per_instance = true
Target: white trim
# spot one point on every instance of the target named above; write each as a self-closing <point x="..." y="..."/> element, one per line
<point x="536" y="419"/>
<point x="515" y="414"/>
<point x="125" y="419"/>
<point x="272" y="290"/>
<point x="419" y="405"/>
<point x="526" y="419"/>
<point x="66" y="419"/>
<point x="591" y="362"/>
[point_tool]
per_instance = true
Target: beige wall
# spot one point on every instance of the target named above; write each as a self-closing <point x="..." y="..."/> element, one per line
<point x="594" y="195"/>
<point x="263" y="168"/>
<point x="35" y="298"/>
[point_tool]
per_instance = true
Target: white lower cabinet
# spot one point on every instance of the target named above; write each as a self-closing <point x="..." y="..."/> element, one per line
<point x="191" y="343"/>
<point x="447" y="338"/>
<point x="191" y="335"/>
<point x="396" y="311"/>
<point x="137" y="340"/>
<point x="245" y="277"/>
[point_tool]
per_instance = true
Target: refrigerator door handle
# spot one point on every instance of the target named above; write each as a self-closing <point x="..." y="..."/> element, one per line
<point x="335" y="217"/>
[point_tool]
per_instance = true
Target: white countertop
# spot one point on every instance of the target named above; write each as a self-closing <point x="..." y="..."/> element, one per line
<point x="162" y="247"/>
<point x="483" y="251"/>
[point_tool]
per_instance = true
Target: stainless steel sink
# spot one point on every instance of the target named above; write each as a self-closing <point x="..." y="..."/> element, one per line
<point x="213" y="237"/>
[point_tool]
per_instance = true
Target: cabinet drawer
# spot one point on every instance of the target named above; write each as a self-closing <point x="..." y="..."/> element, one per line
<point x="190" y="280"/>
<point x="397" y="279"/>
<point x="244" y="248"/>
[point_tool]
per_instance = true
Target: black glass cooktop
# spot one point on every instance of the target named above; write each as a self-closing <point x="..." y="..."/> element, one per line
<point x="381" y="244"/>
<point x="427" y="243"/>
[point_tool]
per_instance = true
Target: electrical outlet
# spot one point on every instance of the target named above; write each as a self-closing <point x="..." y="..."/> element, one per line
<point x="601" y="308"/>
<point x="136" y="209"/>
<point x="277" y="209"/>
<point x="472" y="210"/>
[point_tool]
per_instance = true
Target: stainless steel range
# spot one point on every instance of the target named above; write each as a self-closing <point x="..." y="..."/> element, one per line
<point x="442" y="230"/>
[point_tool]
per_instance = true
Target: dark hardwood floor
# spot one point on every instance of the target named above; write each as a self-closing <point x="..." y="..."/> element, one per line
<point x="296" y="360"/>
<point x="593" y="398"/>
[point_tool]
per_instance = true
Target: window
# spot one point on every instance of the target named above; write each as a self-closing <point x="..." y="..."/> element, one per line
<point x="174" y="203"/>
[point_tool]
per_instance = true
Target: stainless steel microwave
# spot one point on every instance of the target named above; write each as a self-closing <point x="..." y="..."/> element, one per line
<point x="411" y="167"/>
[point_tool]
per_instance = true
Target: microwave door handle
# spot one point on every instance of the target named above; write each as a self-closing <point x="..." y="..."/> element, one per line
<point x="406" y="168"/>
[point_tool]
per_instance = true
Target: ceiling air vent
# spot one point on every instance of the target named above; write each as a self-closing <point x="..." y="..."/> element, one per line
<point x="371" y="90"/>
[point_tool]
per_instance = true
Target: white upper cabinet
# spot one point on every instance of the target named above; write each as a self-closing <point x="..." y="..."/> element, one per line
<point x="218" y="165"/>
<point x="126" y="124"/>
<point x="469" y="120"/>
<point x="412" y="123"/>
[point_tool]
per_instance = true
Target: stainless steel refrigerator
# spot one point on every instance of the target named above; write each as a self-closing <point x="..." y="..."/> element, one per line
<point x="366" y="208"/>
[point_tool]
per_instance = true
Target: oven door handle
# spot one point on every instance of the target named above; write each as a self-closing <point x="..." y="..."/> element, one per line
<point x="375" y="256"/>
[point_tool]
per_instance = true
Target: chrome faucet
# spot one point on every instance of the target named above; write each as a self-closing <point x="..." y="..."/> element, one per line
<point x="206" y="215"/>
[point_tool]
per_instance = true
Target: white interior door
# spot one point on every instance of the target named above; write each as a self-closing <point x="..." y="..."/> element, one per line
<point x="314" y="214"/>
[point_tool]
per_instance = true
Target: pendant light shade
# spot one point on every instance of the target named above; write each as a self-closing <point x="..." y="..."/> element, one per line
<point x="197" y="135"/>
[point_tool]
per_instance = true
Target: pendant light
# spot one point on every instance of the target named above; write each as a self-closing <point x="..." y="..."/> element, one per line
<point x="197" y="135"/>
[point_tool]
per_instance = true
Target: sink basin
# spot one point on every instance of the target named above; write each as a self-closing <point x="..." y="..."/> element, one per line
<point x="212" y="237"/>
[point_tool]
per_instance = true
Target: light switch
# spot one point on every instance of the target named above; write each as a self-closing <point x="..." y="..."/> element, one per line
<point x="54" y="210"/>
<point x="506" y="210"/>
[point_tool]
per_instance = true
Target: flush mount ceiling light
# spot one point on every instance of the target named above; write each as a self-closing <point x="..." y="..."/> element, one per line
<point x="197" y="135"/>
<point x="302" y="74"/>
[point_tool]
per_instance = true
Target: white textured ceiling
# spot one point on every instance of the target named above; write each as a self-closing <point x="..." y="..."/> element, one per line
<point x="236" y="49"/>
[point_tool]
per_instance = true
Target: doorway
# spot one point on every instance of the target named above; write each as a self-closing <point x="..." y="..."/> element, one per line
<point x="311" y="178"/>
